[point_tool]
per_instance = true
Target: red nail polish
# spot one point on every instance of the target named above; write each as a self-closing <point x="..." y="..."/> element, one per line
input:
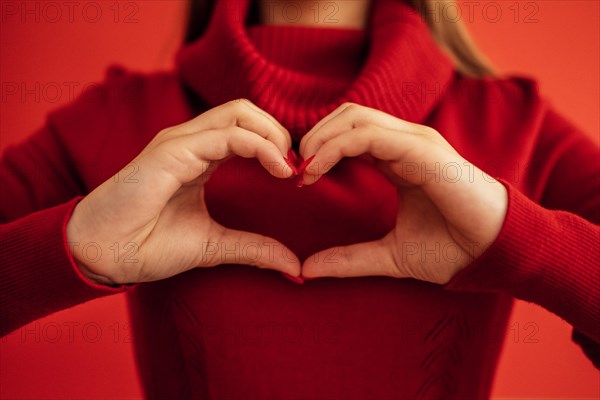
<point x="298" y="165"/>
<point x="292" y="155"/>
<point x="291" y="165"/>
<point x="303" y="166"/>
<point x="296" y="279"/>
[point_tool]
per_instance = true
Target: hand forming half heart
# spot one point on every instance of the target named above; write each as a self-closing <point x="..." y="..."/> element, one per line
<point x="443" y="222"/>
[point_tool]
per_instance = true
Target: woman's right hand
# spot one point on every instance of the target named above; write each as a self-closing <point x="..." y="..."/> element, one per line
<point x="156" y="224"/>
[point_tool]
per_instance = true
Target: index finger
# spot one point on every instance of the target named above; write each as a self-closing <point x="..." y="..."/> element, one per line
<point x="244" y="114"/>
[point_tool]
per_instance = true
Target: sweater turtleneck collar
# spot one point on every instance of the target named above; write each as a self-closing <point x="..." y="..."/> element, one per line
<point x="327" y="53"/>
<point x="396" y="66"/>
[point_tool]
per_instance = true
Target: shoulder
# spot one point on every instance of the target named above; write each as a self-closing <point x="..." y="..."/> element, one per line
<point x="122" y="92"/>
<point x="511" y="100"/>
<point x="117" y="117"/>
<point x="126" y="105"/>
<point x="516" y="92"/>
<point x="136" y="86"/>
<point x="493" y="108"/>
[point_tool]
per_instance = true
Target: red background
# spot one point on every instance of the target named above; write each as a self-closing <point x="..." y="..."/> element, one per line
<point x="49" y="54"/>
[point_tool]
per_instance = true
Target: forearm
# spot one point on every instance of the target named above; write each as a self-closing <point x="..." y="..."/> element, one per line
<point x="38" y="275"/>
<point x="547" y="257"/>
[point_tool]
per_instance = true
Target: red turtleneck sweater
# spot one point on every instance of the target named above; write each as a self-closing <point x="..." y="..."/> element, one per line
<point x="238" y="332"/>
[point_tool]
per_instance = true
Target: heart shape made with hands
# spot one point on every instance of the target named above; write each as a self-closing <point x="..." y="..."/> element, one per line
<point x="428" y="213"/>
<point x="308" y="219"/>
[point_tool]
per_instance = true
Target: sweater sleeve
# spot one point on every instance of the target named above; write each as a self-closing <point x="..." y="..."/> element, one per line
<point x="548" y="253"/>
<point x="38" y="275"/>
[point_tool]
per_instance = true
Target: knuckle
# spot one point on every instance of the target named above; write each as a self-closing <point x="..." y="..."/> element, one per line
<point x="430" y="131"/>
<point x="165" y="146"/>
<point x="237" y="109"/>
<point x="231" y="105"/>
<point x="234" y="132"/>
<point x="239" y="104"/>
<point x="353" y="107"/>
<point x="164" y="133"/>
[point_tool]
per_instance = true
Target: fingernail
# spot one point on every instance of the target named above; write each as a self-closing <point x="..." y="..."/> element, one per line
<point x="296" y="279"/>
<point x="305" y="164"/>
<point x="291" y="165"/>
<point x="300" y="181"/>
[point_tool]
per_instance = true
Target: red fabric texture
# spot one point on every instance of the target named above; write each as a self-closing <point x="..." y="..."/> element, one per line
<point x="239" y="332"/>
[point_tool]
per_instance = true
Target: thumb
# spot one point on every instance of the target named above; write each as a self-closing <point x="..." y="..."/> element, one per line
<point x="362" y="259"/>
<point x="240" y="247"/>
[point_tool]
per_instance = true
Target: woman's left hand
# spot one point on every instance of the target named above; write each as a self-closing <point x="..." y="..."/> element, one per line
<point x="449" y="211"/>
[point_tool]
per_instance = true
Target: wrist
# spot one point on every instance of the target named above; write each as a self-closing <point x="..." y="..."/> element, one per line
<point x="76" y="246"/>
<point x="93" y="277"/>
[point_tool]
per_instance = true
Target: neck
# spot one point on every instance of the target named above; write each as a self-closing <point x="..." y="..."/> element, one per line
<point x="325" y="13"/>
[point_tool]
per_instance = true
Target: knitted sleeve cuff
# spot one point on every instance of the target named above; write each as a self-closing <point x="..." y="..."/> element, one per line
<point x="497" y="268"/>
<point x="39" y="275"/>
<point x="547" y="257"/>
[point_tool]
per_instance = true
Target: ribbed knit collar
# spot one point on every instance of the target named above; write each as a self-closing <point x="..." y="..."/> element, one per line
<point x="329" y="53"/>
<point x="403" y="71"/>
